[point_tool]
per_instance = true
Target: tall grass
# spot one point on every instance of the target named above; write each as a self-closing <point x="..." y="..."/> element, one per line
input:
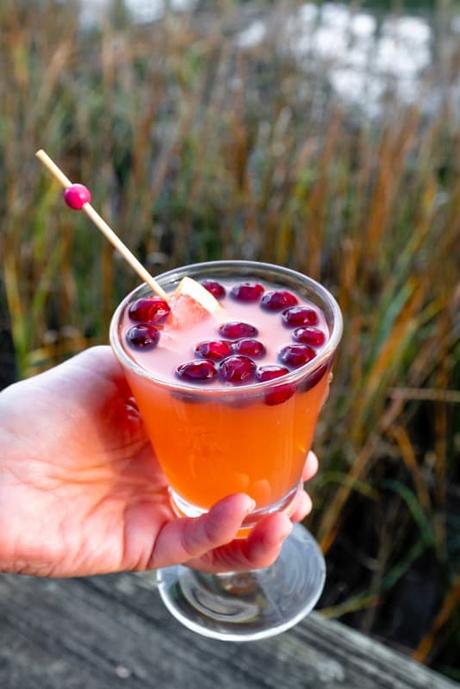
<point x="195" y="149"/>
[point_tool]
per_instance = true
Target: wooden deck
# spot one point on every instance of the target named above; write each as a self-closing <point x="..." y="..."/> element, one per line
<point x="112" y="632"/>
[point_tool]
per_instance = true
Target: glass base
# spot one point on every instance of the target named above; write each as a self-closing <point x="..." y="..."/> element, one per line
<point x="245" y="606"/>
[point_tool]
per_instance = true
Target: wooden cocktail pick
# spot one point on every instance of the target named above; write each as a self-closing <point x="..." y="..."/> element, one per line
<point x="78" y="197"/>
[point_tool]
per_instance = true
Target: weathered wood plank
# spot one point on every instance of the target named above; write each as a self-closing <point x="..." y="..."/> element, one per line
<point x="114" y="632"/>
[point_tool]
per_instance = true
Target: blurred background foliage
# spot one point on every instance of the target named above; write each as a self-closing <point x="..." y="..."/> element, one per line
<point x="310" y="136"/>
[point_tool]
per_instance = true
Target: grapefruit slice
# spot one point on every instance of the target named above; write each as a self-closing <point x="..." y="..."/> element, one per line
<point x="192" y="303"/>
<point x="193" y="289"/>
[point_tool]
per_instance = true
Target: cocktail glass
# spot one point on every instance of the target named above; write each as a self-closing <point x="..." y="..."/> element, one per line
<point x="212" y="442"/>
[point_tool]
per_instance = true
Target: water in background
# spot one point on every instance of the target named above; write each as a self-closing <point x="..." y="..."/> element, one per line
<point x="366" y="53"/>
<point x="142" y="11"/>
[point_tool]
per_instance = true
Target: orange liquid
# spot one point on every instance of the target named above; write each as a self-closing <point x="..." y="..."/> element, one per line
<point x="212" y="446"/>
<point x="211" y="449"/>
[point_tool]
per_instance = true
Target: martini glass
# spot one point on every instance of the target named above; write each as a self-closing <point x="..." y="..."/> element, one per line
<point x="214" y="441"/>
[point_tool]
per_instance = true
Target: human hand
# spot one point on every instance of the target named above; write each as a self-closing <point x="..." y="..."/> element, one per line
<point x="82" y="493"/>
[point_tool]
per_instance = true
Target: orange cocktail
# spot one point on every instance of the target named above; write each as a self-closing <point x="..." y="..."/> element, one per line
<point x="211" y="449"/>
<point x="241" y="417"/>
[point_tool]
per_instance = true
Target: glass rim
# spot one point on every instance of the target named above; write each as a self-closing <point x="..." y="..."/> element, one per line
<point x="291" y="377"/>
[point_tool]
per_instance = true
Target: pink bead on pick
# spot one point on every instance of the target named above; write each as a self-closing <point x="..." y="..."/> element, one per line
<point x="76" y="196"/>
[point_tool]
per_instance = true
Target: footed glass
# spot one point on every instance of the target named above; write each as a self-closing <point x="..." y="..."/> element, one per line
<point x="217" y="440"/>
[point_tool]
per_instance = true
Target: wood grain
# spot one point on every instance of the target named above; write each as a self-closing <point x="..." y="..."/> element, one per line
<point x="113" y="631"/>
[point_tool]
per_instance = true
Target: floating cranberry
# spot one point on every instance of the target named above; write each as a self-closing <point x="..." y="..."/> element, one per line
<point x="76" y="196"/>
<point x="143" y="336"/>
<point x="270" y="372"/>
<point x="309" y="335"/>
<point x="278" y="300"/>
<point x="313" y="379"/>
<point x="217" y="290"/>
<point x="151" y="310"/>
<point x="237" y="369"/>
<point x="296" y="355"/>
<point x="249" y="347"/>
<point x="235" y="330"/>
<point x="197" y="371"/>
<point x="214" y="350"/>
<point x="247" y="291"/>
<point x="280" y="393"/>
<point x="300" y="315"/>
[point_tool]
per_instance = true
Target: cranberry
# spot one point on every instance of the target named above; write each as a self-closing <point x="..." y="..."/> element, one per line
<point x="143" y="336"/>
<point x="247" y="291"/>
<point x="237" y="369"/>
<point x="151" y="310"/>
<point x="215" y="351"/>
<point x="217" y="290"/>
<point x="234" y="330"/>
<point x="270" y="372"/>
<point x="296" y="355"/>
<point x="197" y="371"/>
<point x="278" y="300"/>
<point x="300" y="315"/>
<point x="76" y="196"/>
<point x="313" y="379"/>
<point x="249" y="347"/>
<point x="280" y="393"/>
<point x="310" y="336"/>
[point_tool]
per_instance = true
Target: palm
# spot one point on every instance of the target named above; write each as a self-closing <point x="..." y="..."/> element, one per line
<point x="81" y="491"/>
<point x="83" y="474"/>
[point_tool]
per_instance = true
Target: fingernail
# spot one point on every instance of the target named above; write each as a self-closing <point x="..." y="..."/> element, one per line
<point x="251" y="505"/>
<point x="287" y="531"/>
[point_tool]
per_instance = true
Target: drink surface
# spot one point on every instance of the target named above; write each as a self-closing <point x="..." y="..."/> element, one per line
<point x="255" y="441"/>
<point x="180" y="333"/>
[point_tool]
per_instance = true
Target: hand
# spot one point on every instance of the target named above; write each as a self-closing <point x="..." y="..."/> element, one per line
<point x="82" y="493"/>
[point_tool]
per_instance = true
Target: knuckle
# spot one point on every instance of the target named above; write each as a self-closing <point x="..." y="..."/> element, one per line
<point x="190" y="538"/>
<point x="212" y="530"/>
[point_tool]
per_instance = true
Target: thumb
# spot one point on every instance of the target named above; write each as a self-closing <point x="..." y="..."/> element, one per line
<point x="186" y="538"/>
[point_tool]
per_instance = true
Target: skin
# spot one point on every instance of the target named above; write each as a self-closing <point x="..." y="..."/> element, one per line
<point x="82" y="493"/>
